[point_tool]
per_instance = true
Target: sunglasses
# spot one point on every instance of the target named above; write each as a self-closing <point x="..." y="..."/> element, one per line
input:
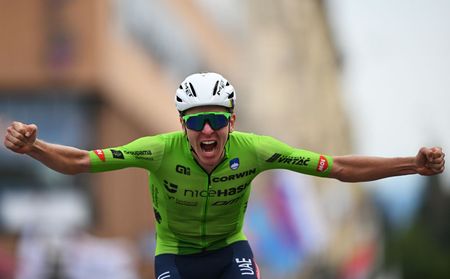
<point x="217" y="120"/>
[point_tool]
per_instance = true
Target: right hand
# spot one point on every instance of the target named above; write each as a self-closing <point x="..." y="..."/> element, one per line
<point x="20" y="137"/>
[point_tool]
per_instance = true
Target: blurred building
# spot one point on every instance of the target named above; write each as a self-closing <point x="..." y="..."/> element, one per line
<point x="295" y="95"/>
<point x="101" y="73"/>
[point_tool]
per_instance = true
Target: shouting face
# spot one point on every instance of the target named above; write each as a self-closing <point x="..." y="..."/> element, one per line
<point x="207" y="129"/>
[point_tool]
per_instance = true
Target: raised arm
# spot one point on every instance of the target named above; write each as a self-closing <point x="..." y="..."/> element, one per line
<point x="428" y="161"/>
<point x="22" y="138"/>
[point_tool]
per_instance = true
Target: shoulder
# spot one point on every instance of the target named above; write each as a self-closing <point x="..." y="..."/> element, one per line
<point x="263" y="145"/>
<point x="168" y="140"/>
<point x="155" y="142"/>
<point x="242" y="139"/>
<point x="244" y="136"/>
<point x="171" y="136"/>
<point x="251" y="138"/>
<point x="173" y="142"/>
<point x="251" y="141"/>
<point x="165" y="137"/>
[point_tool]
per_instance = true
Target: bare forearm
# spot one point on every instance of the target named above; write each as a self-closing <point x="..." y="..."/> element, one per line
<point x="366" y="168"/>
<point x="64" y="159"/>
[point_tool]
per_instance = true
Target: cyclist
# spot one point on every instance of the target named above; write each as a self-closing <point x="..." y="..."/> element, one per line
<point x="200" y="177"/>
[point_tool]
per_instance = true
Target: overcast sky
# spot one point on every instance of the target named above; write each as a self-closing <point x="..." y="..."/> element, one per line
<point x="396" y="79"/>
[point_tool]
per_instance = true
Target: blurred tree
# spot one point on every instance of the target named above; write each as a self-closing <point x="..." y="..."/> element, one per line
<point x="423" y="249"/>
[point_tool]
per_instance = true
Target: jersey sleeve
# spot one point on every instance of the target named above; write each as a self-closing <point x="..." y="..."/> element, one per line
<point x="144" y="153"/>
<point x="274" y="154"/>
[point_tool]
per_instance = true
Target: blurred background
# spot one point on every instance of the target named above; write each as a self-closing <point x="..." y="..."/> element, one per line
<point x="333" y="76"/>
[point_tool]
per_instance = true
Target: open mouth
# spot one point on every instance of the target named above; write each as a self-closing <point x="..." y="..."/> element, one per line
<point x="208" y="146"/>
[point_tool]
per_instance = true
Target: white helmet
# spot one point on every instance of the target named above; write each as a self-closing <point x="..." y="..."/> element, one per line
<point x="205" y="89"/>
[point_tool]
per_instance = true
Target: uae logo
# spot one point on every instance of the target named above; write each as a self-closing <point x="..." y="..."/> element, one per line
<point x="234" y="163"/>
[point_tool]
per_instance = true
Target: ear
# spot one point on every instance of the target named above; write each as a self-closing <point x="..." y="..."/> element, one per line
<point x="232" y="121"/>
<point x="181" y="122"/>
<point x="183" y="125"/>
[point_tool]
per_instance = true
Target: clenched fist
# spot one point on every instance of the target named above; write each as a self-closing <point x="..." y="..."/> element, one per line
<point x="20" y="137"/>
<point x="430" y="161"/>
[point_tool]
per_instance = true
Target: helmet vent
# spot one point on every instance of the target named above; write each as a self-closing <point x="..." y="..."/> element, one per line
<point x="192" y="89"/>
<point x="179" y="99"/>
<point x="215" y="88"/>
<point x="231" y="95"/>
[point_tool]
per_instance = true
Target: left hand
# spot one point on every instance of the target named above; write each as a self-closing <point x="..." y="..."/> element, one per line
<point x="430" y="161"/>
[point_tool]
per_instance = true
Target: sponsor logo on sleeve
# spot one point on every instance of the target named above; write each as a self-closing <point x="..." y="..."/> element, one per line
<point x="140" y="154"/>
<point x="291" y="160"/>
<point x="323" y="164"/>
<point x="234" y="163"/>
<point x="100" y="154"/>
<point x="117" y="154"/>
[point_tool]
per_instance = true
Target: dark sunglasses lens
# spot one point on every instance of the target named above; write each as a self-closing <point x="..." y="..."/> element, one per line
<point x="195" y="123"/>
<point x="216" y="121"/>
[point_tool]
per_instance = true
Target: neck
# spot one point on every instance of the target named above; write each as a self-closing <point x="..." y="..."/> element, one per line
<point x="206" y="167"/>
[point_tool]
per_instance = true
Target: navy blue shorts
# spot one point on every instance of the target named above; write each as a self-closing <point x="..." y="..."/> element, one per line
<point x="232" y="262"/>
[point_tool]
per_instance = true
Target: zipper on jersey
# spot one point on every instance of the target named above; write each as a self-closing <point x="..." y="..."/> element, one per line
<point x="208" y="186"/>
<point x="205" y="206"/>
<point x="205" y="213"/>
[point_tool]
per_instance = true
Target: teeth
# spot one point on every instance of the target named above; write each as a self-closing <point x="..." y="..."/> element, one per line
<point x="208" y="142"/>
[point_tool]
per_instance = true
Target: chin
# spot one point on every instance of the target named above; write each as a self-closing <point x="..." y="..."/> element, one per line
<point x="210" y="160"/>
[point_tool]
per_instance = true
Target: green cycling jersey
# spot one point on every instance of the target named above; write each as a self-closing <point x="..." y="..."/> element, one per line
<point x="195" y="210"/>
